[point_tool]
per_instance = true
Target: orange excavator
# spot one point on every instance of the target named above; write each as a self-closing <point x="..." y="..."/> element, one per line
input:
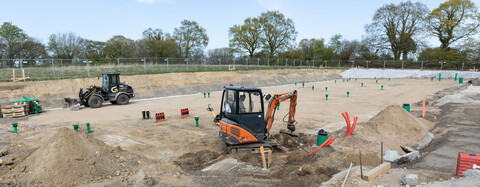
<point x="243" y="124"/>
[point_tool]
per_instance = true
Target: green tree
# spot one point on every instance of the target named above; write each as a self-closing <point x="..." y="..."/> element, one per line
<point x="454" y="20"/>
<point x="65" y="45"/>
<point x="93" y="49"/>
<point x="395" y="27"/>
<point x="306" y="47"/>
<point x="335" y="42"/>
<point x="32" y="49"/>
<point x="120" y="47"/>
<point x="441" y="54"/>
<point x="280" y="33"/>
<point x="11" y="36"/>
<point x="224" y="52"/>
<point x="155" y="43"/>
<point x="247" y="36"/>
<point x="190" y="35"/>
<point x="323" y="52"/>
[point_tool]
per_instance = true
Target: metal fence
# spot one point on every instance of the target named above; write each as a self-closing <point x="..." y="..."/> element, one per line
<point x="42" y="69"/>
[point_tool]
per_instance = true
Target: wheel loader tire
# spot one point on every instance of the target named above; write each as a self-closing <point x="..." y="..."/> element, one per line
<point x="123" y="99"/>
<point x="113" y="102"/>
<point x="95" y="101"/>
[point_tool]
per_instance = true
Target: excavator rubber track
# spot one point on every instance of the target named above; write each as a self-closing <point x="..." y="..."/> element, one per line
<point x="253" y="147"/>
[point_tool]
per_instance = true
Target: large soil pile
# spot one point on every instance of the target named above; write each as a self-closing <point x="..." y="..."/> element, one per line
<point x="394" y="124"/>
<point x="71" y="158"/>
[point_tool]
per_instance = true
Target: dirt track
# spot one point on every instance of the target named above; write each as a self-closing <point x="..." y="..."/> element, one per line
<point x="174" y="152"/>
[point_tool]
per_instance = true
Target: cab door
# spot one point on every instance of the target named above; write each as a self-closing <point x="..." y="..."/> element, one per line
<point x="250" y="111"/>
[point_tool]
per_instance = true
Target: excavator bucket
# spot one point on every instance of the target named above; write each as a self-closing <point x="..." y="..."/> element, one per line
<point x="289" y="133"/>
<point x="71" y="104"/>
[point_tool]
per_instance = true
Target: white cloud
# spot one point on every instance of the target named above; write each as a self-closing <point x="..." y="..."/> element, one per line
<point x="157" y="1"/>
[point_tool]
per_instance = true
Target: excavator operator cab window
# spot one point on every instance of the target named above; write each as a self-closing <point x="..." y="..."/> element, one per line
<point x="250" y="102"/>
<point x="229" y="103"/>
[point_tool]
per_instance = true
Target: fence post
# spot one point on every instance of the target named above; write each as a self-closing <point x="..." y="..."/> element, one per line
<point x="61" y="64"/>
<point x="118" y="64"/>
<point x="53" y="67"/>
<point x="441" y="65"/>
<point x="247" y="62"/>
<point x="145" y="65"/>
<point x="88" y="68"/>
<point x="339" y="64"/>
<point x="186" y="60"/>
<point x="167" y="65"/>
<point x="21" y="67"/>
<point x="383" y="64"/>
<point x="204" y="64"/>
<point x="463" y="64"/>
<point x="402" y="63"/>
<point x="286" y="62"/>
<point x="268" y="62"/>
<point x="421" y="68"/>
<point x="258" y="62"/>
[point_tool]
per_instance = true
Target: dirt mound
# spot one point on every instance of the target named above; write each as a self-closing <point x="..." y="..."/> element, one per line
<point x="198" y="160"/>
<point x="394" y="124"/>
<point x="396" y="121"/>
<point x="70" y="158"/>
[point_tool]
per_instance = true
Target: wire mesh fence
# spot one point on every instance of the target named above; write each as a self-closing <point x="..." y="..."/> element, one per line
<point x="43" y="69"/>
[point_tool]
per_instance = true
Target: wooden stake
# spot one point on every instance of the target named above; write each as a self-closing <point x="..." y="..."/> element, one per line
<point x="13" y="69"/>
<point x="361" y="171"/>
<point x="264" y="163"/>
<point x="269" y="158"/>
<point x="381" y="152"/>
<point x="423" y="107"/>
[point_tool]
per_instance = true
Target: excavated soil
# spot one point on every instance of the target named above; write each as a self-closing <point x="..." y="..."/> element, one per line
<point x="69" y="158"/>
<point x="176" y="151"/>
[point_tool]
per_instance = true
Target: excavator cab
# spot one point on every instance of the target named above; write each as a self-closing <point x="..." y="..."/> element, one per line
<point x="242" y="115"/>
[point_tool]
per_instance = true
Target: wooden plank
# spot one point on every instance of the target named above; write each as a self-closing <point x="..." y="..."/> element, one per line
<point x="269" y="151"/>
<point x="264" y="163"/>
<point x="375" y="172"/>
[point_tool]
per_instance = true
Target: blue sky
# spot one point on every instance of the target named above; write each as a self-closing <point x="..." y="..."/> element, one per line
<point x="102" y="19"/>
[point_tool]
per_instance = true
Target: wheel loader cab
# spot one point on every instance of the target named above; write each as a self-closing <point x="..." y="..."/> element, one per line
<point x="242" y="115"/>
<point x="111" y="82"/>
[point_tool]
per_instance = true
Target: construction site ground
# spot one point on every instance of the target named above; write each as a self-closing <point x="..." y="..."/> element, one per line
<point x="124" y="149"/>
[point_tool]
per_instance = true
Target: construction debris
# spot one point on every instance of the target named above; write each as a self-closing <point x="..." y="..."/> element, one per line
<point x="393" y="157"/>
<point x="426" y="141"/>
<point x="471" y="173"/>
<point x="410" y="179"/>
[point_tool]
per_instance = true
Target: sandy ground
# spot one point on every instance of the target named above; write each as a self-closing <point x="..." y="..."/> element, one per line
<point x="176" y="150"/>
<point x="52" y="92"/>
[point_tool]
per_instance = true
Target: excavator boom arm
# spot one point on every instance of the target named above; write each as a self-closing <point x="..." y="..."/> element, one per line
<point x="273" y="104"/>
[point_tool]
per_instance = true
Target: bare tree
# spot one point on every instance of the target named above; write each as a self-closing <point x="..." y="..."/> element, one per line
<point x="396" y="27"/>
<point x="65" y="45"/>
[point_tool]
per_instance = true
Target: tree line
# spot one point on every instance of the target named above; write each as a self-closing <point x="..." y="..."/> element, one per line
<point x="397" y="32"/>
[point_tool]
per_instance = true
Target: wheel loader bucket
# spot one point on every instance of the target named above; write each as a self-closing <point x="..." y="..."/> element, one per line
<point x="71" y="104"/>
